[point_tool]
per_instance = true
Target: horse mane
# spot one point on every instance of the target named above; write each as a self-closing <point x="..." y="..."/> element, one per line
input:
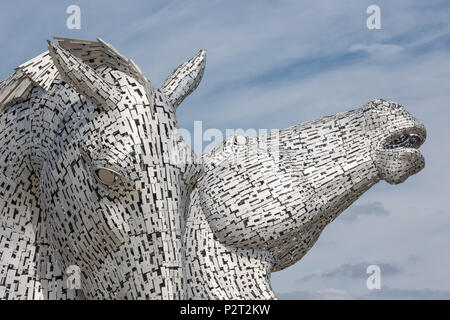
<point x="41" y="71"/>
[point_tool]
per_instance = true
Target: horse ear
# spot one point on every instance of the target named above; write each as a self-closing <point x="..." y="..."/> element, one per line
<point x="185" y="79"/>
<point x="83" y="79"/>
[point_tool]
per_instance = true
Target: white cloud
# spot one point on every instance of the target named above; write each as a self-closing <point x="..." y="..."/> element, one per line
<point x="333" y="294"/>
<point x="377" y="49"/>
<point x="321" y="294"/>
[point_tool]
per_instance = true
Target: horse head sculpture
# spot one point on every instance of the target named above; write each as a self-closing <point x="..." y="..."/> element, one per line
<point x="88" y="179"/>
<point x="92" y="171"/>
<point x="262" y="202"/>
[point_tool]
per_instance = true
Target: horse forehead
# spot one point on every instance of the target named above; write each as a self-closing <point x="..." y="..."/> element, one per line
<point x="122" y="120"/>
<point x="126" y="130"/>
<point x="114" y="137"/>
<point x="138" y="95"/>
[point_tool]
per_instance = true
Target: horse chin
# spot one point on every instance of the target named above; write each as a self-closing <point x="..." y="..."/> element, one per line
<point x="396" y="165"/>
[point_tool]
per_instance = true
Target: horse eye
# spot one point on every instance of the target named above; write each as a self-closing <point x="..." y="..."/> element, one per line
<point x="106" y="176"/>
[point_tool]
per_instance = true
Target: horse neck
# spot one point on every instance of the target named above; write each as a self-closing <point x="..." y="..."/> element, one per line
<point x="22" y="133"/>
<point x="217" y="271"/>
<point x="21" y="149"/>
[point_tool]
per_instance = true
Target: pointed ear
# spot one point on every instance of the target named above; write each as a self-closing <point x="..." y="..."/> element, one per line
<point x="185" y="79"/>
<point x="83" y="79"/>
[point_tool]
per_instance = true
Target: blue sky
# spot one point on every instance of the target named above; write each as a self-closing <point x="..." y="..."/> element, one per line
<point x="273" y="64"/>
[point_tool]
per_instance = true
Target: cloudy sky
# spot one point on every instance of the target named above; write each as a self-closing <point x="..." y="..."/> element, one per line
<point x="273" y="64"/>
